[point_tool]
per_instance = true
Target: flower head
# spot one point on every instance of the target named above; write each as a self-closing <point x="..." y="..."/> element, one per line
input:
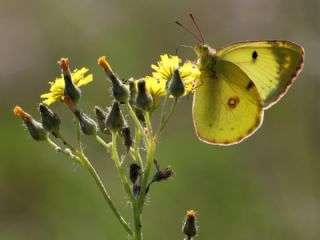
<point x="57" y="87"/>
<point x="157" y="83"/>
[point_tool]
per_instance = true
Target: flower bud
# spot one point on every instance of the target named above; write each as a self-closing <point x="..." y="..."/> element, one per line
<point x="189" y="227"/>
<point x="161" y="175"/>
<point x="34" y="127"/>
<point x="134" y="172"/>
<point x="125" y="132"/>
<point x="114" y="120"/>
<point x="133" y="91"/>
<point x="101" y="117"/>
<point x="70" y="89"/>
<point x="120" y="91"/>
<point x="144" y="99"/>
<point x="175" y="86"/>
<point x="50" y="120"/>
<point x="88" y="126"/>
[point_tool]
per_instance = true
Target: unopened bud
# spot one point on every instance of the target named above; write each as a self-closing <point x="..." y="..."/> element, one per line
<point x="34" y="127"/>
<point x="161" y="175"/>
<point x="134" y="172"/>
<point x="50" y="120"/>
<point x="144" y="99"/>
<point x="114" y="120"/>
<point x="175" y="86"/>
<point x="70" y="89"/>
<point x="189" y="227"/>
<point x="101" y="117"/>
<point x="120" y="91"/>
<point x="88" y="126"/>
<point x="127" y="140"/>
<point x="133" y="91"/>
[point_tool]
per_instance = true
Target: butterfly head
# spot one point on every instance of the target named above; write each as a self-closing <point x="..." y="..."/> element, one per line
<point x="206" y="56"/>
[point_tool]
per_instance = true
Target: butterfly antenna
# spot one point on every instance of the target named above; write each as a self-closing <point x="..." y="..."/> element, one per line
<point x="178" y="48"/>
<point x="186" y="29"/>
<point x="197" y="27"/>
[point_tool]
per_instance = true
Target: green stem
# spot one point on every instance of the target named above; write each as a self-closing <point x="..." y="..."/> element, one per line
<point x="79" y="155"/>
<point x="146" y="116"/>
<point x="78" y="133"/>
<point x="136" y="156"/>
<point x="163" y="110"/>
<point x="149" y="160"/>
<point x="103" y="190"/>
<point x="119" y="167"/>
<point x="67" y="153"/>
<point x="165" y="120"/>
<point x="72" y="148"/>
<point x="137" y="222"/>
<point x="138" y="124"/>
<point x="107" y="146"/>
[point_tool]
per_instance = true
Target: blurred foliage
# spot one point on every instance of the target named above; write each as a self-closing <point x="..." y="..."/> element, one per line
<point x="264" y="188"/>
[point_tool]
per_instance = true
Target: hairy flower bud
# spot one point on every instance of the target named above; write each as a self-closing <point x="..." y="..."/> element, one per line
<point x="88" y="126"/>
<point x="50" y="120"/>
<point x="133" y="91"/>
<point x="134" y="172"/>
<point x="114" y="120"/>
<point x="189" y="227"/>
<point x="125" y="132"/>
<point x="175" y="86"/>
<point x="34" y="127"/>
<point x="70" y="89"/>
<point x="144" y="99"/>
<point x="120" y="91"/>
<point x="101" y="117"/>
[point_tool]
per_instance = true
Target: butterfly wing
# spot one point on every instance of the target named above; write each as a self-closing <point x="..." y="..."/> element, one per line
<point x="225" y="110"/>
<point x="271" y="65"/>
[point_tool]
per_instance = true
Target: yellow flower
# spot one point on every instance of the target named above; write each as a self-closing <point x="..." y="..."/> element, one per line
<point x="57" y="87"/>
<point x="157" y="84"/>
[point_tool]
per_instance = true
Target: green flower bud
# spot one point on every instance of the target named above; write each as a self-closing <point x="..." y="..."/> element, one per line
<point x="144" y="99"/>
<point x="88" y="126"/>
<point x="175" y="86"/>
<point x="120" y="91"/>
<point x="115" y="120"/>
<point x="101" y="117"/>
<point x="34" y="127"/>
<point x="189" y="227"/>
<point x="133" y="92"/>
<point x="70" y="89"/>
<point x="50" y="120"/>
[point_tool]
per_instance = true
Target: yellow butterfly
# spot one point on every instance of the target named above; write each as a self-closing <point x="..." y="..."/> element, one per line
<point x="237" y="83"/>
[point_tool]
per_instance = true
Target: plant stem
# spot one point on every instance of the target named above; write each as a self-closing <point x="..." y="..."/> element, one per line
<point x="137" y="222"/>
<point x="164" y="120"/>
<point x="103" y="190"/>
<point x="148" y="164"/>
<point x="107" y="146"/>
<point x="86" y="163"/>
<point x="119" y="167"/>
<point x="138" y="124"/>
<point x="65" y="152"/>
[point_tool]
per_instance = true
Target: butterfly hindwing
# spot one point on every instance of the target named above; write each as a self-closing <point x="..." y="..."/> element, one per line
<point x="271" y="65"/>
<point x="227" y="106"/>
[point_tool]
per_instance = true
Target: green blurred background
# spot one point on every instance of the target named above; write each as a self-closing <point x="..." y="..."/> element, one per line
<point x="267" y="187"/>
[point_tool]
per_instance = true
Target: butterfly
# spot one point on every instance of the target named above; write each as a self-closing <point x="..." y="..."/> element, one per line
<point x="238" y="83"/>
